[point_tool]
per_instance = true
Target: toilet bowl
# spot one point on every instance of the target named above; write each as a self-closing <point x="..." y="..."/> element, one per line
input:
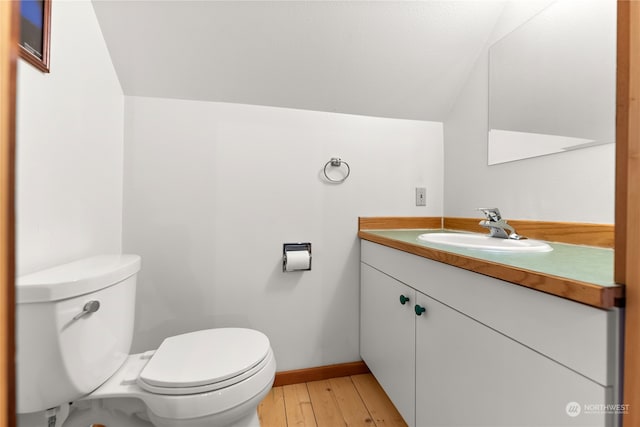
<point x="75" y="325"/>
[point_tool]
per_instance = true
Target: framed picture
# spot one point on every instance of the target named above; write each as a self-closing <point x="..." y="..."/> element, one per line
<point x="35" y="20"/>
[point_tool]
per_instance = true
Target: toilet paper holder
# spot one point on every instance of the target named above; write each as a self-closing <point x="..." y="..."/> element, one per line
<point x="292" y="247"/>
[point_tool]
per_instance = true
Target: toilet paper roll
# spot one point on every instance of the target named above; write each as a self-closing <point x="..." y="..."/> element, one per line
<point x="298" y="260"/>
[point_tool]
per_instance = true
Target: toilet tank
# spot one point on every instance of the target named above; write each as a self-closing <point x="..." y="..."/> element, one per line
<point x="62" y="356"/>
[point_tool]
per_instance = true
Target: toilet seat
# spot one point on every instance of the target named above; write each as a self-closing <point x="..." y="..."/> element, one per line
<point x="203" y="361"/>
<point x="186" y="403"/>
<point x="206" y="387"/>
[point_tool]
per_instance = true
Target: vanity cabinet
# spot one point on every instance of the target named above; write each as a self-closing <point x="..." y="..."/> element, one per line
<point x="387" y="336"/>
<point x="469" y="350"/>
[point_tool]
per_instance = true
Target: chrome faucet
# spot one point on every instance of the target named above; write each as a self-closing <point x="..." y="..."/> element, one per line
<point x="497" y="226"/>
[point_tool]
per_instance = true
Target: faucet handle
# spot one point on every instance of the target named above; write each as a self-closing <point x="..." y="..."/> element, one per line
<point x="492" y="214"/>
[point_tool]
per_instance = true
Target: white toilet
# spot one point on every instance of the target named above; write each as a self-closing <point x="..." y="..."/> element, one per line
<point x="74" y="331"/>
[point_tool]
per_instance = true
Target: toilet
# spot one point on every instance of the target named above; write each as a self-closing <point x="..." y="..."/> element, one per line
<point x="74" y="331"/>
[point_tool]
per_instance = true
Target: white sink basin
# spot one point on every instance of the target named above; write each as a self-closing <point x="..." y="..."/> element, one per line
<point x="485" y="242"/>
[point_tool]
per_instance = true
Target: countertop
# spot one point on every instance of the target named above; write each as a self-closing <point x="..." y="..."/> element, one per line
<point x="580" y="273"/>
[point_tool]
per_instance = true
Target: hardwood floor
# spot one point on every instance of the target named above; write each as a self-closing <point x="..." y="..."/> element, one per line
<point x="357" y="400"/>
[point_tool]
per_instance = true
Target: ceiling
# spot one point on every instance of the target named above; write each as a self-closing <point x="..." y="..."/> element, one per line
<point x="406" y="59"/>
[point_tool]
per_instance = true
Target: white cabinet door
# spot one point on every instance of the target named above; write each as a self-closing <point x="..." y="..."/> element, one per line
<point x="467" y="374"/>
<point x="387" y="337"/>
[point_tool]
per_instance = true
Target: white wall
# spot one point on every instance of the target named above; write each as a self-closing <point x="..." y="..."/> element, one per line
<point x="213" y="190"/>
<point x="571" y="186"/>
<point x="69" y="146"/>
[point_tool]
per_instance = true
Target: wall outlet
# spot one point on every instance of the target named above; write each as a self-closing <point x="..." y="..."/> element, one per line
<point x="421" y="196"/>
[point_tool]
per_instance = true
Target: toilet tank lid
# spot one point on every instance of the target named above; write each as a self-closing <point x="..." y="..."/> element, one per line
<point x="76" y="278"/>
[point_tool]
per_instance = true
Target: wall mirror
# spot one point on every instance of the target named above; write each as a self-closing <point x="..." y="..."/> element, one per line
<point x="552" y="82"/>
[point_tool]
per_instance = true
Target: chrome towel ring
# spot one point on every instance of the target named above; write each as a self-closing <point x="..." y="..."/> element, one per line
<point x="337" y="162"/>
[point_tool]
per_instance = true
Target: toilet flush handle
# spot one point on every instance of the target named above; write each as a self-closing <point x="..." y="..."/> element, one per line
<point x="90" y="307"/>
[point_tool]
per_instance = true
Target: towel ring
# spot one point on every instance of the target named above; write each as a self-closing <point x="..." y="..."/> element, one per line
<point x="337" y="162"/>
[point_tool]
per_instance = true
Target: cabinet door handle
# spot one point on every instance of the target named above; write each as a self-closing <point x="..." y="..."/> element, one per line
<point x="419" y="310"/>
<point x="403" y="299"/>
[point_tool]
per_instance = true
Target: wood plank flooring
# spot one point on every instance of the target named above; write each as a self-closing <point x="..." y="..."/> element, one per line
<point x="357" y="400"/>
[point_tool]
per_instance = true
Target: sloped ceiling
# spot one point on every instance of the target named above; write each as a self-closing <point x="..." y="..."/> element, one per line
<point x="389" y="59"/>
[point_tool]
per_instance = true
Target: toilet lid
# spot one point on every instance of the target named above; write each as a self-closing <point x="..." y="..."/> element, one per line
<point x="205" y="357"/>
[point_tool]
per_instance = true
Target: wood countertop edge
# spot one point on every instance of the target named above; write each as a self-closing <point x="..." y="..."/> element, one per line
<point x="575" y="290"/>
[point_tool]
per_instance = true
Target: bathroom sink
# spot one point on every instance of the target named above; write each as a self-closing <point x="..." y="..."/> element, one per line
<point x="485" y="242"/>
